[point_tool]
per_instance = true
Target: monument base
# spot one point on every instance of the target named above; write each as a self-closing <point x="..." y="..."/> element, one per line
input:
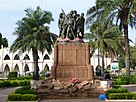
<point x="72" y="60"/>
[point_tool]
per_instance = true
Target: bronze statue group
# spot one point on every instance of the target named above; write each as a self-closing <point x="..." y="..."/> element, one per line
<point x="71" y="26"/>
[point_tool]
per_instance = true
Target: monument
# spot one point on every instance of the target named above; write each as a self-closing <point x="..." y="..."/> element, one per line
<point x="72" y="75"/>
<point x="71" y="54"/>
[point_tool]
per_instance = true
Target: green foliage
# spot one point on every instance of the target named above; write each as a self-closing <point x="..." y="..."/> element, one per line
<point x="25" y="90"/>
<point x="26" y="87"/>
<point x="24" y="82"/>
<point x="9" y="83"/>
<point x="29" y="97"/>
<point x="23" y="94"/>
<point x="14" y="83"/>
<point x="14" y="97"/>
<point x="114" y="77"/>
<point x="116" y="86"/>
<point x="122" y="96"/>
<point x="4" y="83"/>
<point x="132" y="57"/>
<point x="132" y="79"/>
<point x="23" y="78"/>
<point x="12" y="75"/>
<point x="33" y="34"/>
<point x="118" y="82"/>
<point x="118" y="90"/>
<point x="3" y="41"/>
<point x="42" y="77"/>
<point x="119" y="12"/>
<point x="122" y="61"/>
<point x="124" y="80"/>
<point x="20" y="97"/>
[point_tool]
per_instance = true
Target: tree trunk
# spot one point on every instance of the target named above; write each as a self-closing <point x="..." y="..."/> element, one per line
<point x="127" y="50"/>
<point x="102" y="62"/>
<point x="36" y="68"/>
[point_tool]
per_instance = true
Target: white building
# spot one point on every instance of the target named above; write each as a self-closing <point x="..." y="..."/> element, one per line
<point x="23" y="62"/>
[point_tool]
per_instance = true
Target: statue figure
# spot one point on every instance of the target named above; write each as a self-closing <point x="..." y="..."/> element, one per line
<point x="71" y="26"/>
<point x="80" y="25"/>
<point x="60" y="23"/>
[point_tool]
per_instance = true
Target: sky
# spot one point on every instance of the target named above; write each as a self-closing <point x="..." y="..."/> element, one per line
<point x="12" y="11"/>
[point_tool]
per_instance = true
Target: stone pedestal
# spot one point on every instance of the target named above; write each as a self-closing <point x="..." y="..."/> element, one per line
<point x="72" y="60"/>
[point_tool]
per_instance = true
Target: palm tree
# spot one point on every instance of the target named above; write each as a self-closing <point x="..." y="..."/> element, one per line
<point x="105" y="38"/>
<point x="32" y="34"/>
<point x="121" y="12"/>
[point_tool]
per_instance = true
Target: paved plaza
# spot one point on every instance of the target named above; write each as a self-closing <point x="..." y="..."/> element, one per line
<point x="5" y="91"/>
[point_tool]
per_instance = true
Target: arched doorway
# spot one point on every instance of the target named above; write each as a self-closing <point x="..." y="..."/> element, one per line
<point x="26" y="68"/>
<point x="46" y="67"/>
<point x="16" y="68"/>
<point x="6" y="70"/>
<point x="45" y="70"/>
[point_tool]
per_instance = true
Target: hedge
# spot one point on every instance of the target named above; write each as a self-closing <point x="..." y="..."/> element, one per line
<point x="5" y="83"/>
<point x="9" y="83"/>
<point x="25" y="90"/>
<point x="119" y="90"/>
<point x="122" y="96"/>
<point x="22" y="97"/>
<point x="124" y="80"/>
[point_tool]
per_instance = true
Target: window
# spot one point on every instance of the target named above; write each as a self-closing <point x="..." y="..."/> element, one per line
<point x="46" y="57"/>
<point x="7" y="57"/>
<point x="16" y="57"/>
<point x="26" y="57"/>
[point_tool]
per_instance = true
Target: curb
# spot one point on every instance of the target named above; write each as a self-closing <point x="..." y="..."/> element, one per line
<point x="120" y="100"/>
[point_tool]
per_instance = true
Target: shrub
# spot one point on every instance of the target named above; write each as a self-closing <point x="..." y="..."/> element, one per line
<point x="132" y="79"/>
<point x="4" y="83"/>
<point x="29" y="97"/>
<point x="26" y="87"/>
<point x="14" y="83"/>
<point x="14" y="97"/>
<point x="21" y="91"/>
<point x="8" y="83"/>
<point x="24" y="82"/>
<point x="19" y="97"/>
<point x="25" y="90"/>
<point x="122" y="96"/>
<point x="119" y="82"/>
<point x="119" y="90"/>
<point x="124" y="80"/>
<point x="12" y="75"/>
<point x="116" y="86"/>
<point x="24" y="78"/>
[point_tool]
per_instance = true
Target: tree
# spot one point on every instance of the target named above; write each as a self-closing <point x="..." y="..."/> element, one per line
<point x="3" y="41"/>
<point x="121" y="12"/>
<point x="132" y="57"/>
<point x="32" y="34"/>
<point x="106" y="38"/>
